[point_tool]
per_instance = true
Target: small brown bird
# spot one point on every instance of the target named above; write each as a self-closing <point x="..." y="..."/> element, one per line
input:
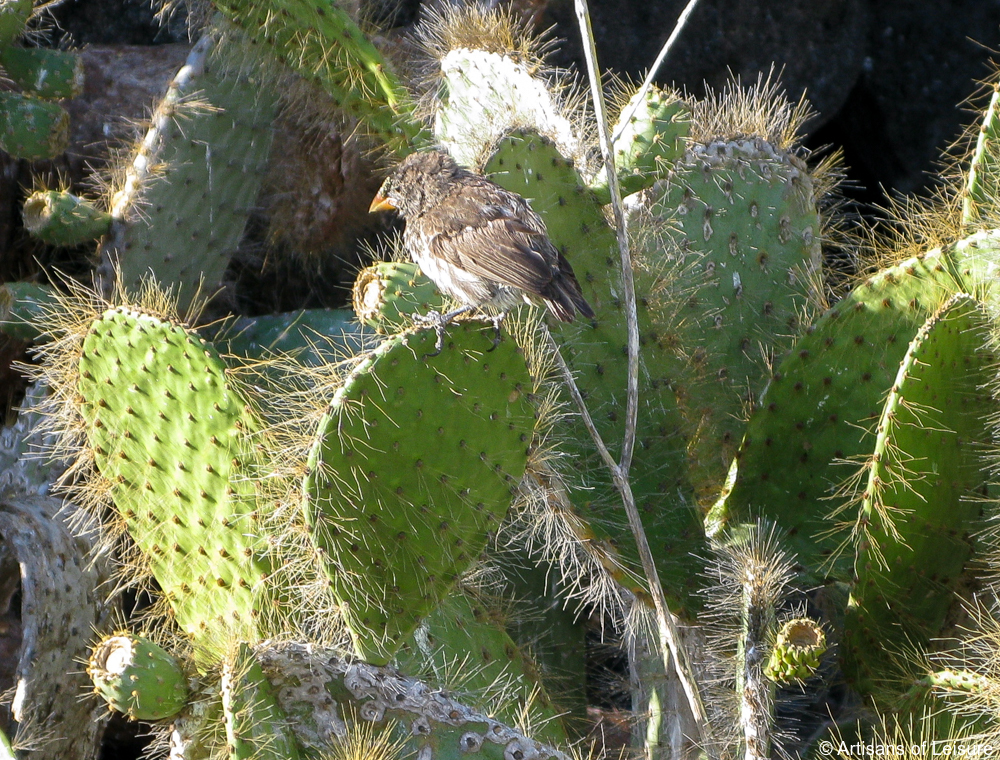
<point x="479" y="243"/>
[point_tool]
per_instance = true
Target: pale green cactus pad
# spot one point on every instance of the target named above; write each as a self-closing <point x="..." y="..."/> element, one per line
<point x="170" y="435"/>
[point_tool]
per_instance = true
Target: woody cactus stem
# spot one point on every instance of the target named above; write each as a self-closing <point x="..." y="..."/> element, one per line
<point x="438" y="727"/>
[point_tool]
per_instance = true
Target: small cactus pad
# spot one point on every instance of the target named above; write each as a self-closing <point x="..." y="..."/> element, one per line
<point x="650" y="139"/>
<point x="138" y="678"/>
<point x="60" y="218"/>
<point x="169" y="433"/>
<point x="918" y="506"/>
<point x="256" y="727"/>
<point x="43" y="72"/>
<point x="31" y="128"/>
<point x="388" y="293"/>
<point x="412" y="469"/>
<point x="798" y="649"/>
<point x="823" y="397"/>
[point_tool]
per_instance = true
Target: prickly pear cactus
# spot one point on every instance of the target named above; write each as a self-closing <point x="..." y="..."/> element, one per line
<point x="413" y="468"/>
<point x="194" y="178"/>
<point x="138" y="678"/>
<point x="170" y="435"/>
<point x="917" y="518"/>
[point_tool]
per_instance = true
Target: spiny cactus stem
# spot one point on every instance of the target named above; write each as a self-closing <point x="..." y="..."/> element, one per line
<point x="141" y="167"/>
<point x="754" y="690"/>
<point x="670" y="640"/>
<point x="654" y="69"/>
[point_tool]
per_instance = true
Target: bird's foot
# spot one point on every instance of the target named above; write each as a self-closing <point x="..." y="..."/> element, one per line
<point x="495" y="320"/>
<point x="439" y="322"/>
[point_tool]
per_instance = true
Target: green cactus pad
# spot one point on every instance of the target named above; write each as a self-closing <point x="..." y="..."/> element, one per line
<point x="32" y="129"/>
<point x="14" y="15"/>
<point x="323" y="43"/>
<point x="798" y="649"/>
<point x="744" y="213"/>
<point x="919" y="508"/>
<point x="649" y="141"/>
<point x="387" y="295"/>
<point x="256" y="727"/>
<point x="22" y="304"/>
<point x="823" y="398"/>
<point x="596" y="350"/>
<point x="60" y="218"/>
<point x="312" y="336"/>
<point x="982" y="183"/>
<point x="45" y="73"/>
<point x="412" y="470"/>
<point x="138" y="678"/>
<point x="184" y="221"/>
<point x="464" y="642"/>
<point x="169" y="433"/>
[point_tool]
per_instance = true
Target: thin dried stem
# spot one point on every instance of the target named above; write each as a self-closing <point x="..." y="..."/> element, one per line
<point x="669" y="637"/>
<point x="655" y="68"/>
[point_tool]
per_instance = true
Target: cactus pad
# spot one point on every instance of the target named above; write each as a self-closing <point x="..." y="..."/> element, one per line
<point x="138" y="678"/>
<point x="822" y="399"/>
<point x="169" y="433"/>
<point x="412" y="470"/>
<point x="918" y="508"/>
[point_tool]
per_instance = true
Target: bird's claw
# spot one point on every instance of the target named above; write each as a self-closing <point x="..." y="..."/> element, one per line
<point x="495" y="320"/>
<point x="439" y="322"/>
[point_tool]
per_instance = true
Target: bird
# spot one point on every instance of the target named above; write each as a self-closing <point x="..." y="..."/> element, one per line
<point x="479" y="243"/>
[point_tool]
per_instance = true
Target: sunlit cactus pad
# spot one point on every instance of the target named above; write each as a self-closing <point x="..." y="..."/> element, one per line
<point x="414" y="467"/>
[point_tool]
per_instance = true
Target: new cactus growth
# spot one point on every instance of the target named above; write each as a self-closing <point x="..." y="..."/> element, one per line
<point x="137" y="677"/>
<point x="797" y="651"/>
<point x="388" y="293"/>
<point x="650" y="136"/>
<point x="60" y="218"/>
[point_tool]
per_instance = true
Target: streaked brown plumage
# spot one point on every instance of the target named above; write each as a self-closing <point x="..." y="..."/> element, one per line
<point x="481" y="244"/>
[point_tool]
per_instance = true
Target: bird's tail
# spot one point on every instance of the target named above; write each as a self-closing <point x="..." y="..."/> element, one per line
<point x="564" y="298"/>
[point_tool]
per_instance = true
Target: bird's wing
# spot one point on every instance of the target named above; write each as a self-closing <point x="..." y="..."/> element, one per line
<point x="490" y="241"/>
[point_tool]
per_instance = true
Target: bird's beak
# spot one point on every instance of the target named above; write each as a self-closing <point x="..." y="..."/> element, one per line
<point x="380" y="203"/>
